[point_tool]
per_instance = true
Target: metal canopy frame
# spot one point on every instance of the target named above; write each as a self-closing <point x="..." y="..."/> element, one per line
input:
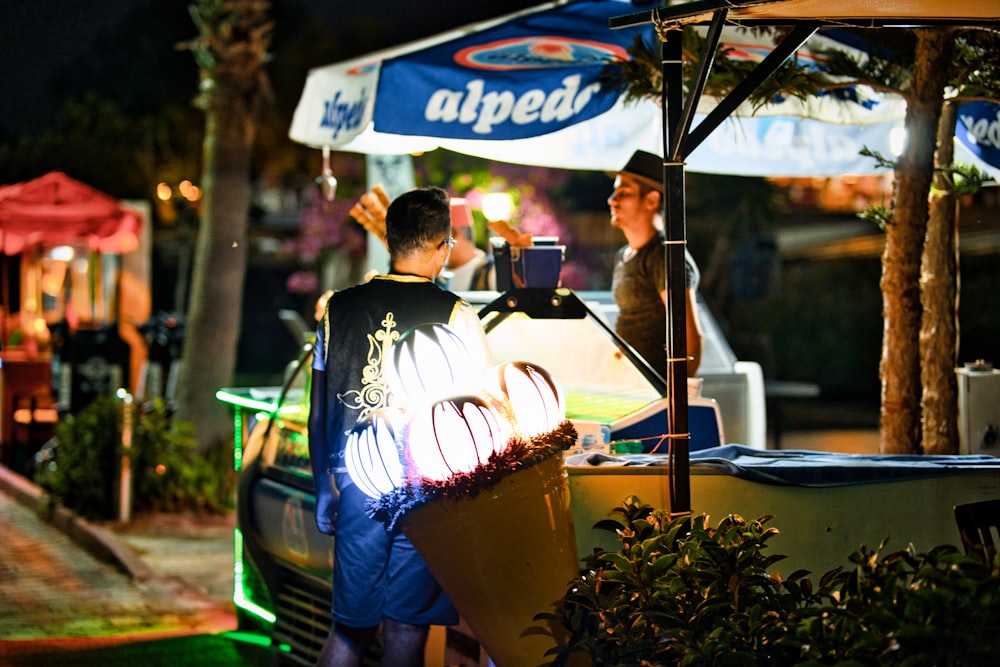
<point x="804" y="17"/>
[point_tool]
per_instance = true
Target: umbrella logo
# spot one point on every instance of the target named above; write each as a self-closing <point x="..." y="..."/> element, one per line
<point x="366" y="68"/>
<point x="757" y="52"/>
<point x="539" y="52"/>
<point x="341" y="113"/>
<point x="979" y="130"/>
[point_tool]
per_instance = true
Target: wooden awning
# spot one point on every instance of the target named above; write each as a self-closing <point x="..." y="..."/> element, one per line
<point x="854" y="13"/>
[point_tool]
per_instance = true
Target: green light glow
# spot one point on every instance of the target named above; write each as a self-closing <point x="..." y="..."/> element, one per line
<point x="240" y="597"/>
<point x="248" y="638"/>
<point x="237" y="439"/>
<point x="243" y="401"/>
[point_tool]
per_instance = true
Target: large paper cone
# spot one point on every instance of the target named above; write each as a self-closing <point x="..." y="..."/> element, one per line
<point x="503" y="556"/>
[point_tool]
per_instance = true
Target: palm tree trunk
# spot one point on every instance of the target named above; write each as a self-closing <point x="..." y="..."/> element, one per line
<point x="231" y="50"/>
<point x="939" y="296"/>
<point x="215" y="312"/>
<point x="900" y="419"/>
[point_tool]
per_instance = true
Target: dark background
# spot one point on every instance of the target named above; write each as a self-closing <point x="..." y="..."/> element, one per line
<point x="40" y="37"/>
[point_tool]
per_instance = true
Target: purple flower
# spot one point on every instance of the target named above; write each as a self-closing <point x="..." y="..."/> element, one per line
<point x="303" y="282"/>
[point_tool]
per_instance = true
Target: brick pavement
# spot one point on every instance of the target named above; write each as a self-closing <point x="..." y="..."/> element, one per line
<point x="51" y="588"/>
<point x="197" y="549"/>
<point x="69" y="588"/>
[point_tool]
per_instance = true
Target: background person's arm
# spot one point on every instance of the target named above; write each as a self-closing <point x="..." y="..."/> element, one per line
<point x="694" y="335"/>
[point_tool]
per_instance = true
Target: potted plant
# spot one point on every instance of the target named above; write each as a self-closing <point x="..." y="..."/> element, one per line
<point x="680" y="591"/>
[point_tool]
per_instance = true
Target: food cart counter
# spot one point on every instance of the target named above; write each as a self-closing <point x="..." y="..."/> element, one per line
<point x="284" y="564"/>
<point x="824" y="504"/>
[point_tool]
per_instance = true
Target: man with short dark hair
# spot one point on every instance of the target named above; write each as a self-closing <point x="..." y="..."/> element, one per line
<point x="638" y="282"/>
<point x="378" y="577"/>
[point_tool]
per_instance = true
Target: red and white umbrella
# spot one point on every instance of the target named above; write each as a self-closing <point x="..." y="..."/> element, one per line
<point x="58" y="210"/>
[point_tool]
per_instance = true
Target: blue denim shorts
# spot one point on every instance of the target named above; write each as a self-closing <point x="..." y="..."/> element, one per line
<point x="379" y="573"/>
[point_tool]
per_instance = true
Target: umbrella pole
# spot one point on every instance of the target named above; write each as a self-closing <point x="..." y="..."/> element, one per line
<point x="674" y="224"/>
<point x="92" y="285"/>
<point x="678" y="142"/>
<point x="677" y="118"/>
<point x="6" y="299"/>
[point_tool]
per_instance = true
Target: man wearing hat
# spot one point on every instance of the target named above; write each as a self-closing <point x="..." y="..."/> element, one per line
<point x="639" y="279"/>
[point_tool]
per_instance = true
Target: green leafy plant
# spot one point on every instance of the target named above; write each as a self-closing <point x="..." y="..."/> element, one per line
<point x="170" y="476"/>
<point x="940" y="607"/>
<point x="679" y="592"/>
<point x="682" y="592"/>
<point x="83" y="472"/>
<point x="641" y="77"/>
<point x="80" y="474"/>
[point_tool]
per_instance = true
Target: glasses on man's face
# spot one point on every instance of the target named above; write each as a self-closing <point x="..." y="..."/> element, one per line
<point x="450" y="241"/>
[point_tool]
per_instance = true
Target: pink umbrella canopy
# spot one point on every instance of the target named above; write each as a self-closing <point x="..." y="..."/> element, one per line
<point x="56" y="209"/>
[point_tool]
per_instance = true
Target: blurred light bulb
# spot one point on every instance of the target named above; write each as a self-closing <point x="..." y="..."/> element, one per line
<point x="497" y="206"/>
<point x="897" y="140"/>
<point x="164" y="192"/>
<point x="326" y="181"/>
<point x="327" y="186"/>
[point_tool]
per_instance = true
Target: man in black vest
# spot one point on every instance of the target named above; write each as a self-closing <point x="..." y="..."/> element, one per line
<point x="378" y="577"/>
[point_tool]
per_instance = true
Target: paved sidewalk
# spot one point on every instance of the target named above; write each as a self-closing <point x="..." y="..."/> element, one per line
<point x="158" y="578"/>
<point x="196" y="550"/>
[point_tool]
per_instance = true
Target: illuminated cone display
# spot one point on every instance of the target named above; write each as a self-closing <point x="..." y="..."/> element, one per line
<point x="454" y="435"/>
<point x="503" y="551"/>
<point x="429" y="363"/>
<point x="371" y="456"/>
<point x="533" y="396"/>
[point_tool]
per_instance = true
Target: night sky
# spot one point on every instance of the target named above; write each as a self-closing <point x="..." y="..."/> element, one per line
<point x="39" y="36"/>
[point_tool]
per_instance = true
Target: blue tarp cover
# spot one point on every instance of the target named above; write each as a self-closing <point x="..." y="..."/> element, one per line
<point x="803" y="467"/>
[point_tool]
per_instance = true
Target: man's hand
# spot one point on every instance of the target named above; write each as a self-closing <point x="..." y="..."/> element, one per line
<point x="370" y="211"/>
<point x="515" y="238"/>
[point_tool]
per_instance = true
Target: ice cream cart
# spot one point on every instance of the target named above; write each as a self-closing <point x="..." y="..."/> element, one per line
<point x="825" y="504"/>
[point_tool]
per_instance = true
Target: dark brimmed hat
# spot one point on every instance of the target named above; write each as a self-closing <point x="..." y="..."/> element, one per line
<point x="645" y="167"/>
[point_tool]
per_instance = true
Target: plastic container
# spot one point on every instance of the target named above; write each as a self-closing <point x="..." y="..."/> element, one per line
<point x="538" y="265"/>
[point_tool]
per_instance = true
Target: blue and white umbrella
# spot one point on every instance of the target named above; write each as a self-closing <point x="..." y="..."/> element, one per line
<point x="977" y="136"/>
<point x="525" y="88"/>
